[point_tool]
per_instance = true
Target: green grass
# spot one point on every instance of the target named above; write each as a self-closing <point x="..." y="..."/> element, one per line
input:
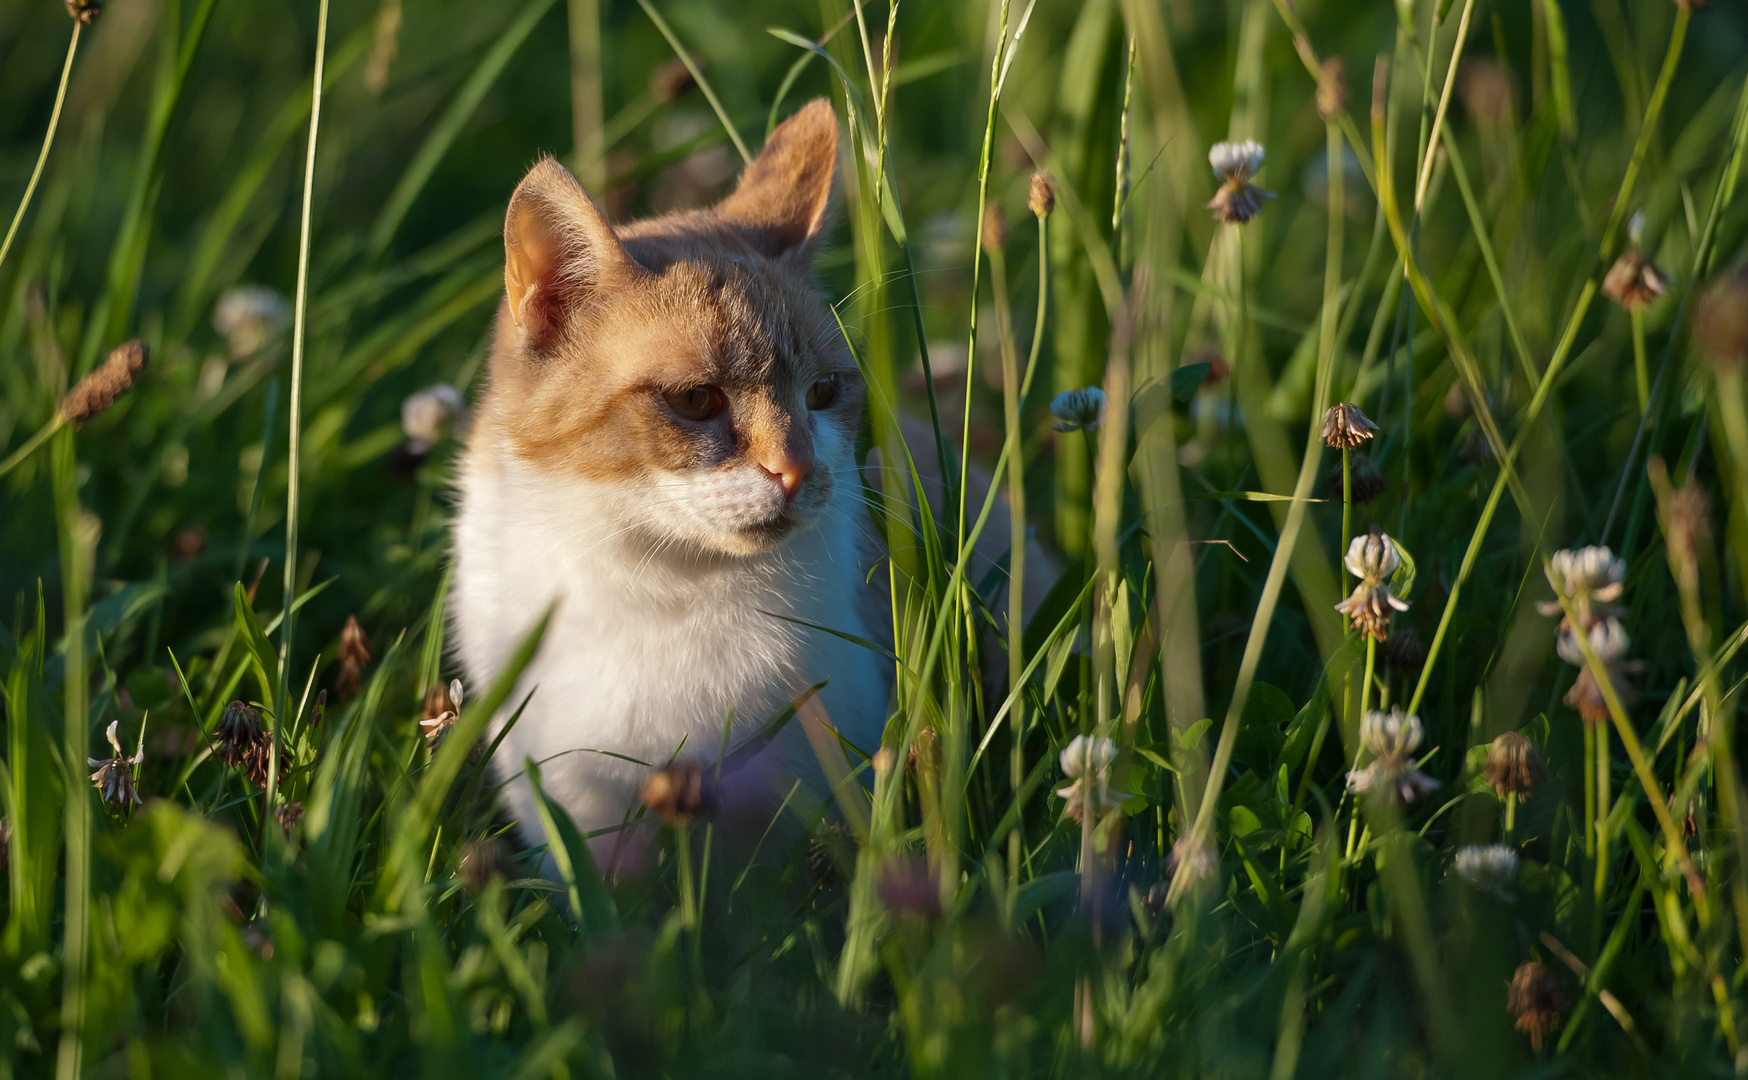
<point x="1434" y="253"/>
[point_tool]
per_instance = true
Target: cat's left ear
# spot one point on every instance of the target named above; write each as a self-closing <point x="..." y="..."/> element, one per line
<point x="780" y="203"/>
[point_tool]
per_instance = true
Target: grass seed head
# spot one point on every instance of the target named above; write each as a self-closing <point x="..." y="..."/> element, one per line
<point x="84" y="11"/>
<point x="995" y="229"/>
<point x="1331" y="89"/>
<point x="1041" y="195"/>
<point x="1536" y="1001"/>
<point x="1345" y="426"/>
<point x="1512" y="767"/>
<point x="1720" y="321"/>
<point x="98" y="390"/>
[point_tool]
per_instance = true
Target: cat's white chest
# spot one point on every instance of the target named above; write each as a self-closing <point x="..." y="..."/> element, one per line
<point x="646" y="657"/>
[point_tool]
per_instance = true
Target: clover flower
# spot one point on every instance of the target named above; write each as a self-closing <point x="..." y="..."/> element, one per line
<point x="1078" y="410"/>
<point x="1391" y="738"/>
<point x="1512" y="767"/>
<point x="115" y="775"/>
<point x="1720" y="320"/>
<point x="1087" y="761"/>
<point x="1609" y="641"/>
<point x="1591" y="577"/>
<point x="1345" y="426"/>
<point x="442" y="710"/>
<point x="1634" y="282"/>
<point x="1535" y="1000"/>
<point x="680" y="794"/>
<point x="242" y="742"/>
<point x="249" y="316"/>
<point x="428" y="415"/>
<point x="1372" y="558"/>
<point x="1238" y="200"/>
<point x="354" y="654"/>
<point x="1492" y="868"/>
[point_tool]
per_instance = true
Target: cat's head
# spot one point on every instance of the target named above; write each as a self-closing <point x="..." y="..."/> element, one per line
<point x="687" y="367"/>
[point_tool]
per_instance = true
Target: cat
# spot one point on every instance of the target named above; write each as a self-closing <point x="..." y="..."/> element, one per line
<point x="665" y="451"/>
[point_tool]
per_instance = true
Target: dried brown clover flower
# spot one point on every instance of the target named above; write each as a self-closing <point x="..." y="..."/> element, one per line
<point x="241" y="742"/>
<point x="1634" y="282"/>
<point x="1364" y="480"/>
<point x="354" y="654"/>
<point x="288" y="815"/>
<point x="1345" y="426"/>
<point x="98" y="390"/>
<point x="1535" y="999"/>
<point x="1512" y="766"/>
<point x="671" y="80"/>
<point x="442" y="710"/>
<point x="680" y="793"/>
<point x="1720" y="320"/>
<point x="115" y="774"/>
<point x="84" y="11"/>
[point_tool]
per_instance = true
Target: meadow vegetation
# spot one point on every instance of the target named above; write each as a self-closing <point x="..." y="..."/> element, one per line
<point x="1338" y="747"/>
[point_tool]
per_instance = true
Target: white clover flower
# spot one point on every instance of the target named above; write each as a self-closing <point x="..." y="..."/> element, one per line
<point x="1087" y="760"/>
<point x="1237" y="161"/>
<point x="1391" y="738"/>
<point x="1608" y="640"/>
<point x="1590" y="577"/>
<point x="426" y="415"/>
<point x="114" y="776"/>
<point x="1492" y="868"/>
<point x="1372" y="558"/>
<point x="1238" y="200"/>
<point x="249" y="316"/>
<point x="1078" y="410"/>
<point x="1393" y="732"/>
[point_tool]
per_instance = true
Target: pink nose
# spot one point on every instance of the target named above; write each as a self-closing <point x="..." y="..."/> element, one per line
<point x="788" y="471"/>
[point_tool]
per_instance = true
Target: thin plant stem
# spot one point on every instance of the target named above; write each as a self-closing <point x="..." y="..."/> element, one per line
<point x="31" y="445"/>
<point x="294" y="425"/>
<point x="589" y="145"/>
<point x="78" y="543"/>
<point x="1346" y="510"/>
<point x="1641" y="374"/>
<point x="1602" y="807"/>
<point x="1510" y="815"/>
<point x="1562" y="351"/>
<point x="48" y="141"/>
<point x="1590" y="791"/>
<point x="697" y="77"/>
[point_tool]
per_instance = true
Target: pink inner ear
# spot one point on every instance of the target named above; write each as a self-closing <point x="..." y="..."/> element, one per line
<point x="780" y="202"/>
<point x="533" y="269"/>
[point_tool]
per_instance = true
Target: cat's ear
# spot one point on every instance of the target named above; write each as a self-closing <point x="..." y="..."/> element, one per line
<point x="780" y="203"/>
<point x="558" y="246"/>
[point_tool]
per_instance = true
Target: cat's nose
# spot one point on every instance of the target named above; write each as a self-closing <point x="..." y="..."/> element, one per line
<point x="788" y="470"/>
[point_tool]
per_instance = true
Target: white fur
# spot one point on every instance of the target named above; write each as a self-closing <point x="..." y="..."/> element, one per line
<point x="656" y="639"/>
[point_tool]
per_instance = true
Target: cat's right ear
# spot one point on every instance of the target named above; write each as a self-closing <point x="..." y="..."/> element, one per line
<point x="558" y="248"/>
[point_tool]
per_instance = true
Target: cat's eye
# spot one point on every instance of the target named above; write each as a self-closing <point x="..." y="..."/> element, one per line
<point x="697" y="403"/>
<point x="822" y="393"/>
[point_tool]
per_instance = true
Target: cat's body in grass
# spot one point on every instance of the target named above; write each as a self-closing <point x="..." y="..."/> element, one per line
<point x="664" y="455"/>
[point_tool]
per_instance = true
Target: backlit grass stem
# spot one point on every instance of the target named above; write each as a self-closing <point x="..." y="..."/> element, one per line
<point x="294" y="424"/>
<point x="48" y="141"/>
